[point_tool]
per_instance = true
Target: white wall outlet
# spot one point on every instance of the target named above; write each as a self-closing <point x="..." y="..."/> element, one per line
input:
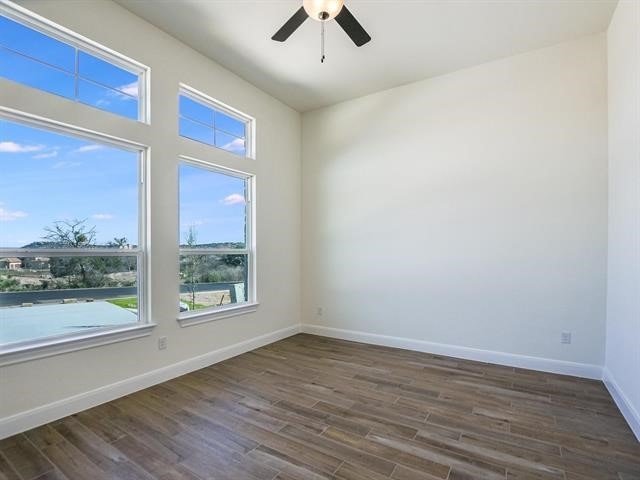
<point x="565" y="337"/>
<point x="162" y="343"/>
<point x="319" y="311"/>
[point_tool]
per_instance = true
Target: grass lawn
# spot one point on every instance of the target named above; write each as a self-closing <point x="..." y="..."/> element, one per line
<point x="195" y="306"/>
<point x="132" y="302"/>
<point x="129" y="302"/>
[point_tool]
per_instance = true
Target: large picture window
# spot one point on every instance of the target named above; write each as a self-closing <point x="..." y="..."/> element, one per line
<point x="216" y="239"/>
<point x="71" y="233"/>
<point x="39" y="55"/>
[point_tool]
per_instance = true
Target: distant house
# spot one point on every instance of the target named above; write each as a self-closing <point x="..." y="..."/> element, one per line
<point x="11" y="263"/>
<point x="37" y="263"/>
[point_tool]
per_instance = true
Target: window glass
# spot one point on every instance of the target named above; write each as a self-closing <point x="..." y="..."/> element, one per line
<point x="212" y="209"/>
<point x="51" y="296"/>
<point x="196" y="131"/>
<point x="107" y="99"/>
<point x="227" y="124"/>
<point x="215" y="255"/>
<point x="57" y="192"/>
<point x="22" y="70"/>
<point x="107" y="74"/>
<point x="36" y="45"/>
<point x="46" y="177"/>
<point x="209" y="281"/>
<point x="204" y="122"/>
<point x="195" y="111"/>
<point x="230" y="143"/>
<point x="37" y="60"/>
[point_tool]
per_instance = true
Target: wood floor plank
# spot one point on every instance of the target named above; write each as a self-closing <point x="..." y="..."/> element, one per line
<point x="7" y="472"/>
<point x="101" y="453"/>
<point x="24" y="457"/>
<point x="314" y="408"/>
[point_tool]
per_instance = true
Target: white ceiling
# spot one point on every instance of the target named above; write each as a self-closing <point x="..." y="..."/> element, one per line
<point x="412" y="39"/>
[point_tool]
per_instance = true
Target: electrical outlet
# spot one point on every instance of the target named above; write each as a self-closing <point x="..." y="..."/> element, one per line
<point x="162" y="343"/>
<point x="565" y="337"/>
<point x="319" y="311"/>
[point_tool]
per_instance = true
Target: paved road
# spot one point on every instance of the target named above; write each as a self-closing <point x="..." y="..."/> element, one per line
<point x="41" y="296"/>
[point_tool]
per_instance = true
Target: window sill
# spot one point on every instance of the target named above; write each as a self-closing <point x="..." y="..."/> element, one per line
<point x="196" y="318"/>
<point x="49" y="347"/>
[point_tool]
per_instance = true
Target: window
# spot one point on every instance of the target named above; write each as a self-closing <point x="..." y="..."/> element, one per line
<point x="208" y="121"/>
<point x="71" y="233"/>
<point x="39" y="55"/>
<point x="216" y="239"/>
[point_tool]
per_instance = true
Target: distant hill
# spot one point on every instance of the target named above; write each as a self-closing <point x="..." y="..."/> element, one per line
<point x="52" y="245"/>
<point x="230" y="245"/>
<point x="42" y="245"/>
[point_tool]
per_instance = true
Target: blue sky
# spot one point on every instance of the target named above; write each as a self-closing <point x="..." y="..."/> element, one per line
<point x="213" y="203"/>
<point x="36" y="60"/>
<point x="47" y="177"/>
<point x="202" y="123"/>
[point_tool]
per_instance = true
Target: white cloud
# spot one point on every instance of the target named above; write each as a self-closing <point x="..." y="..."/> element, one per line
<point x="88" y="148"/>
<point x="102" y="216"/>
<point x="10" y="215"/>
<point x="130" y="89"/>
<point x="233" y="199"/>
<point x="236" y="145"/>
<point x="53" y="153"/>
<point x="12" y="147"/>
<point x="65" y="164"/>
<point x="123" y="92"/>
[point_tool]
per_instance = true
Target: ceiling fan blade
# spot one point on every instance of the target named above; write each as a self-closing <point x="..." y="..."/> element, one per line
<point x="291" y="26"/>
<point x="352" y="27"/>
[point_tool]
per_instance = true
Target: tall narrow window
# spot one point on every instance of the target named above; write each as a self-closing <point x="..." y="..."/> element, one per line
<point x="37" y="55"/>
<point x="216" y="246"/>
<point x="205" y="120"/>
<point x="71" y="235"/>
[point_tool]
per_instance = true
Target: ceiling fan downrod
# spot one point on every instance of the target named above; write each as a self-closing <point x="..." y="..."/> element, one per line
<point x="322" y="42"/>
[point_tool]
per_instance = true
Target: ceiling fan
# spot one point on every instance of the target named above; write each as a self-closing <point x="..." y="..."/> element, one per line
<point x="323" y="11"/>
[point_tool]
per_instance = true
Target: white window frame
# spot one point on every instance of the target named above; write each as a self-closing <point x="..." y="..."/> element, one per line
<point x="47" y="346"/>
<point x="195" y="317"/>
<point x="79" y="42"/>
<point x="206" y="100"/>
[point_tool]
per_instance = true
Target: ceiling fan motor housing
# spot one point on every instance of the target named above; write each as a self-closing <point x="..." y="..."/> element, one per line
<point x="322" y="10"/>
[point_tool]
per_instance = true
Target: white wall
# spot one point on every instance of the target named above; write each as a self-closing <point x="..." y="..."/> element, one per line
<point x="37" y="383"/>
<point x="623" y="294"/>
<point x="468" y="209"/>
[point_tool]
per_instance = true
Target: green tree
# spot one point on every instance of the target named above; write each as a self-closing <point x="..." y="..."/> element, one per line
<point x="192" y="264"/>
<point x="118" y="242"/>
<point x="79" y="271"/>
<point x="71" y="234"/>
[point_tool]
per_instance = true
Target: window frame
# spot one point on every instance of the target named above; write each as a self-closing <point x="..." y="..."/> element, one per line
<point x="194" y="317"/>
<point x="52" y="345"/>
<point x="80" y="43"/>
<point x="216" y="105"/>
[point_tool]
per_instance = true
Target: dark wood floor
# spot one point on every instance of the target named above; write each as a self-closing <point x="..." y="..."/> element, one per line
<point x="314" y="408"/>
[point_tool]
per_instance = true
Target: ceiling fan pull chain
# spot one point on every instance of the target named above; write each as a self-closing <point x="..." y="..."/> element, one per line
<point x="321" y="42"/>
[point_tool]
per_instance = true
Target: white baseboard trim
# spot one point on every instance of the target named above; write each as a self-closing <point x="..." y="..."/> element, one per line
<point x="68" y="406"/>
<point x="627" y="409"/>
<point x="583" y="370"/>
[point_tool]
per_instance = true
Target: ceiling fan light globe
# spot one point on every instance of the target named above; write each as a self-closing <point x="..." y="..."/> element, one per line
<point x="322" y="10"/>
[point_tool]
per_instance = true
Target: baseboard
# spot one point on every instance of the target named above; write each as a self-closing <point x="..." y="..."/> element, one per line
<point x="68" y="406"/>
<point x="627" y="409"/>
<point x="583" y="370"/>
